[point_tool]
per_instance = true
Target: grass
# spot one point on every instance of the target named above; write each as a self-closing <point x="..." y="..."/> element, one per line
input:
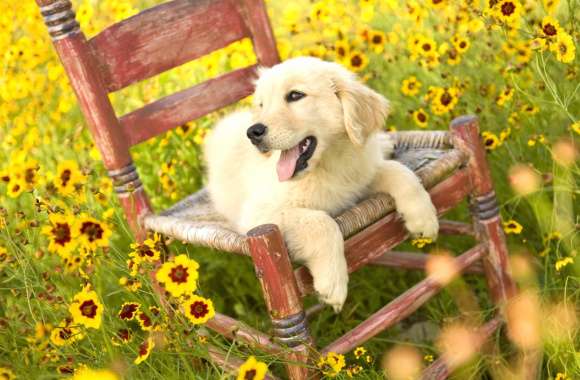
<point x="529" y="136"/>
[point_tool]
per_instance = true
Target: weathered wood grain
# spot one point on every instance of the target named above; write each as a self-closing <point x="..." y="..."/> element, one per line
<point x="189" y="104"/>
<point x="164" y="37"/>
<point x="414" y="260"/>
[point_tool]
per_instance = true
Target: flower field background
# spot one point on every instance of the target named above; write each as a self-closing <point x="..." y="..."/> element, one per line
<point x="76" y="297"/>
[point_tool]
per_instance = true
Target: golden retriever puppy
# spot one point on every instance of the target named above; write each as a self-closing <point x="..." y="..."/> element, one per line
<point x="309" y="148"/>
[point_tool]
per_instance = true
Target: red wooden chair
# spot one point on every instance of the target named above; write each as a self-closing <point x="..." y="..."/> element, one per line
<point x="451" y="164"/>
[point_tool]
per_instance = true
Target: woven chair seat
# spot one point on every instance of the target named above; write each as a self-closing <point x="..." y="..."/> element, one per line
<point x="193" y="220"/>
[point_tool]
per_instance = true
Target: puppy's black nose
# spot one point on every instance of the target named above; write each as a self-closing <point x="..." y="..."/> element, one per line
<point x="256" y="132"/>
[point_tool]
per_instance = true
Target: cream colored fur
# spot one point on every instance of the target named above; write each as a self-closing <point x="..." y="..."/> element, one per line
<point x="348" y="164"/>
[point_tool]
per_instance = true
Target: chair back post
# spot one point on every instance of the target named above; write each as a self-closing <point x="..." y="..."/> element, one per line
<point x="256" y="17"/>
<point x="485" y="209"/>
<point x="79" y="64"/>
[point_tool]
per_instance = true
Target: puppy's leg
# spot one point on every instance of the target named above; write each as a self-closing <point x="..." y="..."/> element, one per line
<point x="314" y="238"/>
<point x="411" y="198"/>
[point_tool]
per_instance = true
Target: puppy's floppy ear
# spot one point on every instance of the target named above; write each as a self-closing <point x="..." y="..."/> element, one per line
<point x="364" y="110"/>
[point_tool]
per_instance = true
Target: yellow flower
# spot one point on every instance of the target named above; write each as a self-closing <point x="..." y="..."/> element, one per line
<point x="353" y="370"/>
<point x="68" y="177"/>
<point x="252" y="370"/>
<point x="92" y="234"/>
<point x="359" y="351"/>
<point x="144" y="350"/>
<point x="6" y="374"/>
<point x="505" y="96"/>
<point x="437" y="4"/>
<point x="65" y="334"/>
<point x="444" y="100"/>
<point x="508" y="11"/>
<point x="421" y="242"/>
<point x="331" y="364"/>
<point x="61" y="234"/>
<point x="549" y="27"/>
<point x="15" y="187"/>
<point x="551" y="5"/>
<point x="145" y="252"/>
<point x="490" y="140"/>
<point x="179" y="275"/>
<point x="129" y="310"/>
<point x="460" y="43"/>
<point x="86" y="309"/>
<point x="428" y="358"/>
<point x="357" y="61"/>
<point x="563" y="262"/>
<point x="198" y="309"/>
<point x="95" y="374"/>
<point x="411" y="86"/>
<point x="564" y="48"/>
<point x="561" y="376"/>
<point x="420" y="118"/>
<point x="341" y="50"/>
<point x="512" y="227"/>
<point x="377" y="41"/>
<point x="576" y="127"/>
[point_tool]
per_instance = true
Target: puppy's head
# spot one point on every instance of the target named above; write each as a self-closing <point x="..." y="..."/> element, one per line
<point x="304" y="105"/>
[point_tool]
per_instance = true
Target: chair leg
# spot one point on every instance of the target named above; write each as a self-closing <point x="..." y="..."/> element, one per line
<point x="274" y="270"/>
<point x="485" y="210"/>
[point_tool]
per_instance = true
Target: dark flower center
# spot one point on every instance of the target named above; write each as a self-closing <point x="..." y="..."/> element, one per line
<point x="124" y="335"/>
<point x="446" y="98"/>
<point x="463" y="44"/>
<point x="549" y="30"/>
<point x="144" y="250"/>
<point x="377" y="39"/>
<point x="563" y="49"/>
<point x="65" y="177"/>
<point x="489" y="141"/>
<point x="356" y="61"/>
<point x="65" y="333"/>
<point x="421" y="117"/>
<point x="341" y="51"/>
<point x="128" y="311"/>
<point x="199" y="309"/>
<point x="144" y="348"/>
<point x="94" y="231"/>
<point x="29" y="175"/>
<point x="250" y="375"/>
<point x="61" y="233"/>
<point x="89" y="309"/>
<point x="145" y="319"/>
<point x="179" y="274"/>
<point x="508" y="9"/>
<point x="426" y="47"/>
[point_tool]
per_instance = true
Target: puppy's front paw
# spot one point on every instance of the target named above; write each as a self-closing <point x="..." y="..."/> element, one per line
<point x="332" y="287"/>
<point x="421" y="220"/>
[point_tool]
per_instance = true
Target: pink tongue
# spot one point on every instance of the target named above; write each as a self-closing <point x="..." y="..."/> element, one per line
<point x="287" y="163"/>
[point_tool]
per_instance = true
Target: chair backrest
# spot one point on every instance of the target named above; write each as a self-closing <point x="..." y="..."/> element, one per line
<point x="145" y="45"/>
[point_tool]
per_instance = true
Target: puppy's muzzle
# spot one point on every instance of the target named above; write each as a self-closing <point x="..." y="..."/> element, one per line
<point x="256" y="133"/>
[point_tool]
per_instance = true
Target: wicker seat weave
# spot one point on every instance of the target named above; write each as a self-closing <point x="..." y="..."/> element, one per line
<point x="193" y="220"/>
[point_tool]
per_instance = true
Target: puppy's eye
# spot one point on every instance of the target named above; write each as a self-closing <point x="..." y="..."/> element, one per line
<point x="294" y="96"/>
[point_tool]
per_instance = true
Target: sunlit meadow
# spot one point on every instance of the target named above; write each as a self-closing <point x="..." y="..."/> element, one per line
<point x="75" y="292"/>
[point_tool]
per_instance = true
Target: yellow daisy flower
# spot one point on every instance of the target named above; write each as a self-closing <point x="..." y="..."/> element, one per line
<point x="508" y="11"/>
<point x="563" y="262"/>
<point x="92" y="234"/>
<point x="61" y="234"/>
<point x="377" y="40"/>
<point x="460" y="43"/>
<point x="252" y="370"/>
<point x="128" y="310"/>
<point x="357" y="61"/>
<point x="86" y="309"/>
<point x="198" y="309"/>
<point x="144" y="350"/>
<point x="564" y="48"/>
<point x="576" y="127"/>
<point x="179" y="275"/>
<point x="490" y="140"/>
<point x="144" y="252"/>
<point x="444" y="100"/>
<point x="68" y="177"/>
<point x="331" y="364"/>
<point x="65" y="334"/>
<point x="549" y="27"/>
<point x="410" y="86"/>
<point x="359" y="351"/>
<point x="6" y="374"/>
<point x="512" y="227"/>
<point x="420" y="118"/>
<point x="16" y="186"/>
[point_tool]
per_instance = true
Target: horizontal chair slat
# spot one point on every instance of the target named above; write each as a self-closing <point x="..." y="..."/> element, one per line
<point x="390" y="231"/>
<point x="164" y="37"/>
<point x="189" y="104"/>
<point x="400" y="307"/>
<point x="414" y="260"/>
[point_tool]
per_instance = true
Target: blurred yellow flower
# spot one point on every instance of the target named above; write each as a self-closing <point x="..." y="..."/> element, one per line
<point x="411" y="86"/>
<point x="179" y="275"/>
<point x="564" y="48"/>
<point x="144" y="350"/>
<point x="252" y="369"/>
<point x="198" y="309"/>
<point x="86" y="309"/>
<point x="331" y="364"/>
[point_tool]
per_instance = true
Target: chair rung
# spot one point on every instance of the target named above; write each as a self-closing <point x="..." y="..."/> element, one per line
<point x="400" y="307"/>
<point x="451" y="227"/>
<point x="234" y="329"/>
<point x="414" y="260"/>
<point x="441" y="368"/>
